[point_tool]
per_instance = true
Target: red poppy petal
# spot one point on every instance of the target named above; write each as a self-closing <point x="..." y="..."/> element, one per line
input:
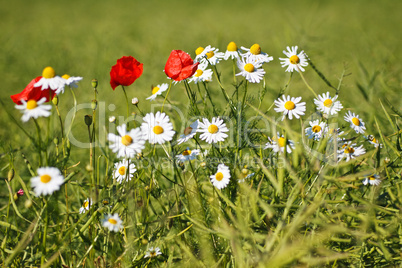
<point x="173" y="65"/>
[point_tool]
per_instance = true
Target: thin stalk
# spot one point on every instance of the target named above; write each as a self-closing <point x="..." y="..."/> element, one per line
<point x="75" y="112"/>
<point x="42" y="260"/>
<point x="39" y="142"/>
<point x="127" y="104"/>
<point x="62" y="130"/>
<point x="305" y="82"/>
<point x="167" y="94"/>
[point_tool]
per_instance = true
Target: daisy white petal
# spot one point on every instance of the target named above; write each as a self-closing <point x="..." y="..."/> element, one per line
<point x="86" y="205"/>
<point x="350" y="151"/>
<point x="189" y="132"/>
<point x="355" y="122"/>
<point x="124" y="170"/>
<point x="157" y="128"/>
<point x="151" y="253"/>
<point x="158" y="90"/>
<point x="372" y="180"/>
<point x="187" y="155"/>
<point x="51" y="80"/>
<point x="278" y="143"/>
<point x="213" y="132"/>
<point x="112" y="222"/>
<point x="316" y="129"/>
<point x="222" y="177"/>
<point x="328" y="105"/>
<point x="34" y="109"/>
<point x="290" y="107"/>
<point x="49" y="180"/>
<point x="127" y="143"/>
<point x="208" y="55"/>
<point x="250" y="69"/>
<point x="255" y="54"/>
<point x="202" y="74"/>
<point x="294" y="60"/>
<point x="71" y="81"/>
<point x="231" y="51"/>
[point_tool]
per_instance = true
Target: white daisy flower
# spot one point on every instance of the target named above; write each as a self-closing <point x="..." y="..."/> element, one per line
<point x="278" y="144"/>
<point x="49" y="179"/>
<point x="151" y="253"/>
<point x="212" y="132"/>
<point x="34" y="109"/>
<point x="187" y="155"/>
<point x="350" y="151"/>
<point x="157" y="128"/>
<point x="355" y="122"/>
<point x="127" y="143"/>
<point x="250" y="69"/>
<point x="208" y="55"/>
<point x="112" y="222"/>
<point x="231" y="51"/>
<point x="294" y="61"/>
<point x="121" y="169"/>
<point x="371" y="139"/>
<point x="290" y="106"/>
<point x="328" y="105"/>
<point x="51" y="80"/>
<point x="158" y="90"/>
<point x="86" y="205"/>
<point x="202" y="74"/>
<point x="255" y="54"/>
<point x="316" y="130"/>
<point x="372" y="180"/>
<point x="222" y="177"/>
<point x="189" y="132"/>
<point x="71" y="81"/>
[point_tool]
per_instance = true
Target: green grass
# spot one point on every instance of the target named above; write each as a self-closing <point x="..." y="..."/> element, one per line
<point x="296" y="211"/>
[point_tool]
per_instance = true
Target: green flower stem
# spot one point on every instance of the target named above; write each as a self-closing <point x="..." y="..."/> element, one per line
<point x="244" y="97"/>
<point x="234" y="71"/>
<point x="210" y="99"/>
<point x="63" y="142"/>
<point x="46" y="222"/>
<point x="305" y="82"/>
<point x="225" y="94"/>
<point x="39" y="142"/>
<point x="127" y="104"/>
<point x="191" y="96"/>
<point x="75" y="112"/>
<point x="167" y="94"/>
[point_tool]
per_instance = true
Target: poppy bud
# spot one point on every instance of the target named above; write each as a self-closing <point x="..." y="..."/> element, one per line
<point x="88" y="120"/>
<point x="94" y="83"/>
<point x="10" y="175"/>
<point x="55" y="100"/>
<point x="94" y="104"/>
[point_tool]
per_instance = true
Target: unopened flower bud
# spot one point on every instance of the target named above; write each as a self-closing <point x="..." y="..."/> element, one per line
<point x="244" y="171"/>
<point x="105" y="202"/>
<point x="135" y="101"/>
<point x="10" y="175"/>
<point x="28" y="203"/>
<point x="94" y="83"/>
<point x="94" y="104"/>
<point x="203" y="164"/>
<point x="55" y="100"/>
<point x="56" y="140"/>
<point x="146" y="188"/>
<point x="88" y="120"/>
<point x="387" y="160"/>
<point x="112" y="119"/>
<point x="18" y="194"/>
<point x="144" y="241"/>
<point x="89" y="168"/>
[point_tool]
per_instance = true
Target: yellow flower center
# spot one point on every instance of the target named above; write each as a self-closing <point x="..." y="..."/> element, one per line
<point x="112" y="221"/>
<point x="210" y="54"/>
<point x="290" y="105"/>
<point x="66" y="76"/>
<point x="281" y="142"/>
<point x="199" y="50"/>
<point x="45" y="178"/>
<point x="328" y="103"/>
<point x="219" y="176"/>
<point x="158" y="130"/>
<point x="232" y="46"/>
<point x="294" y="59"/>
<point x="188" y="130"/>
<point x="154" y="90"/>
<point x="356" y="121"/>
<point x="122" y="170"/>
<point x="374" y="140"/>
<point x="255" y="49"/>
<point x="32" y="104"/>
<point x="213" y="129"/>
<point x="187" y="152"/>
<point x="349" y="150"/>
<point x="249" y="67"/>
<point x="126" y="140"/>
<point x="372" y="178"/>
<point x="86" y="204"/>
<point x="152" y="254"/>
<point x="316" y="129"/>
<point x="198" y="73"/>
<point x="48" y="72"/>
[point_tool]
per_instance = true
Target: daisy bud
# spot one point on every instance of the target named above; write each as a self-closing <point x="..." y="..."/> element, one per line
<point x="203" y="164"/>
<point x="94" y="104"/>
<point x="56" y="140"/>
<point x="55" y="100"/>
<point x="10" y="175"/>
<point x="135" y="101"/>
<point x="144" y="241"/>
<point x="112" y="119"/>
<point x="387" y="160"/>
<point x="28" y="203"/>
<point x="105" y="202"/>
<point x="146" y="188"/>
<point x="89" y="168"/>
<point x="94" y="83"/>
<point x="88" y="120"/>
<point x="244" y="171"/>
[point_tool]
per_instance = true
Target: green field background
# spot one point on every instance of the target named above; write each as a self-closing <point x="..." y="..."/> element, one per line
<point x="85" y="38"/>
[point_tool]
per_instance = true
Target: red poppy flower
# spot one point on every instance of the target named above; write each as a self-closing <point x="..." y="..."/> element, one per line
<point x="180" y="66"/>
<point x="125" y="72"/>
<point x="33" y="93"/>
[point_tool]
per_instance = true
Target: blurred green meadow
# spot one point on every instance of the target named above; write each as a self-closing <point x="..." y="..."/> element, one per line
<point x="360" y="39"/>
